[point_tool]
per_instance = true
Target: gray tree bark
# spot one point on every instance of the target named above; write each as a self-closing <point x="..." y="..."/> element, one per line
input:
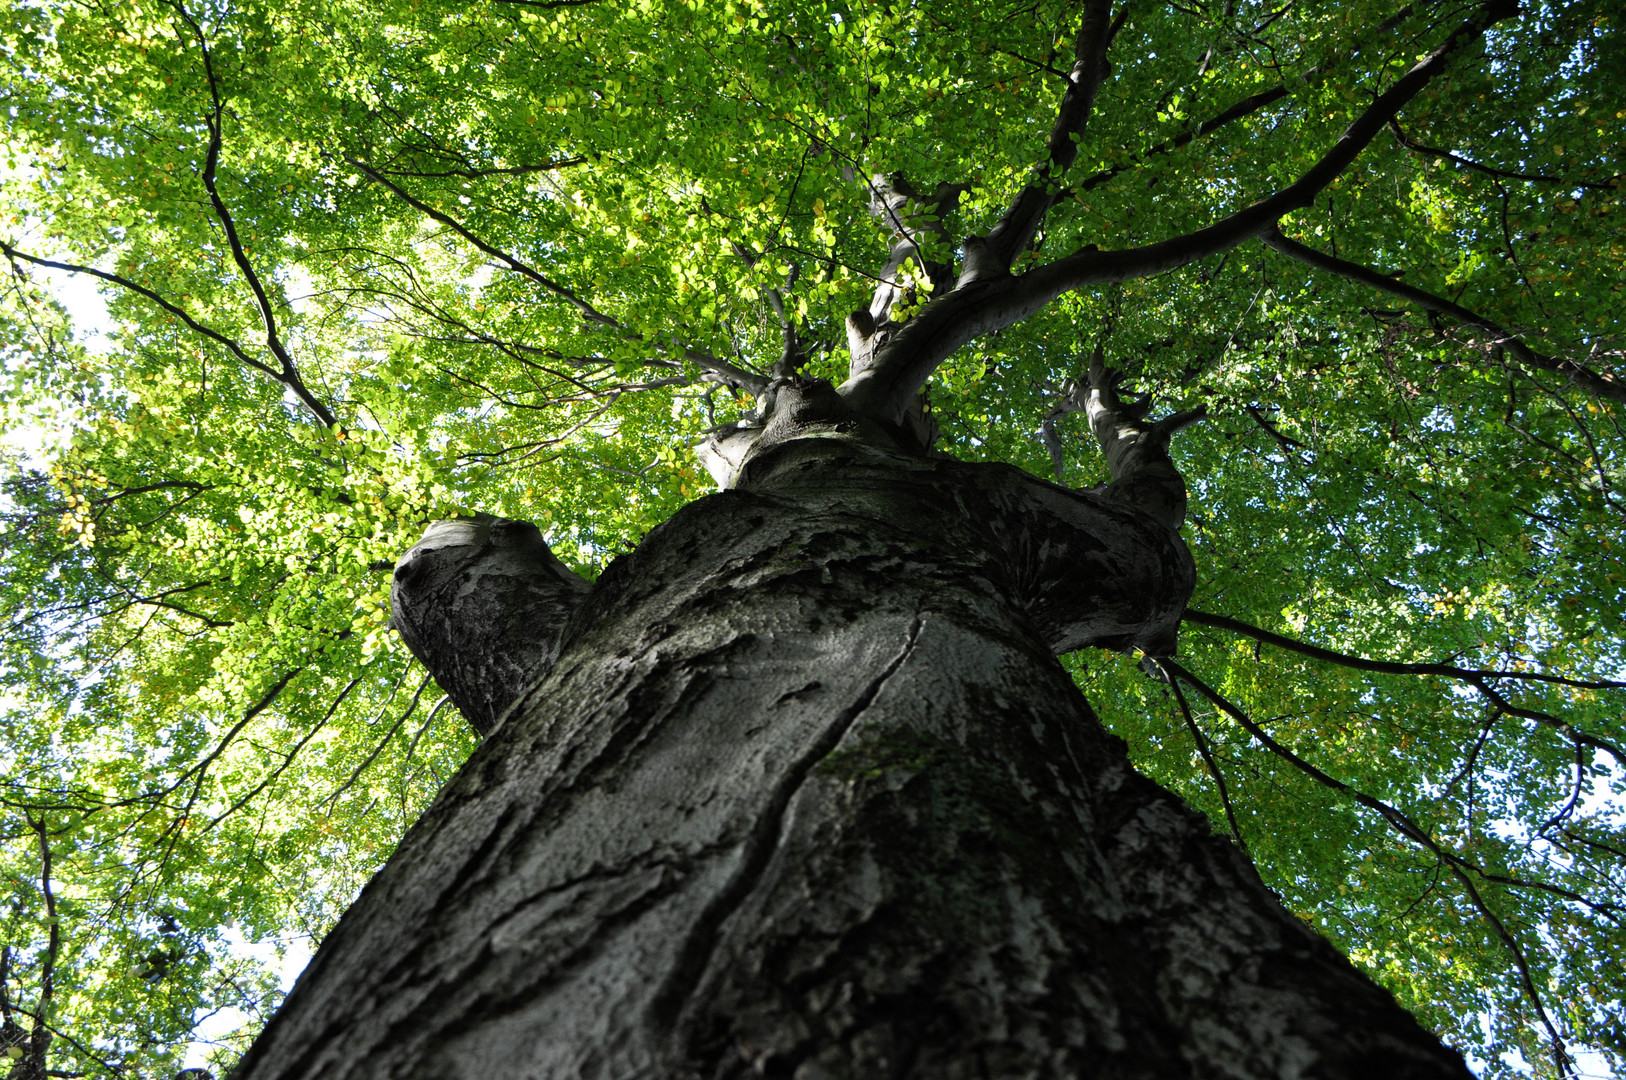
<point x="806" y="794"/>
<point x="483" y="603"/>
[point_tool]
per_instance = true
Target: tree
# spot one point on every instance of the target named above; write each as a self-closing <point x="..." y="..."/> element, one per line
<point x="375" y="266"/>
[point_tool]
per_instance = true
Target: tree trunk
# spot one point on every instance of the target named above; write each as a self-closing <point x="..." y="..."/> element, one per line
<point x="807" y="795"/>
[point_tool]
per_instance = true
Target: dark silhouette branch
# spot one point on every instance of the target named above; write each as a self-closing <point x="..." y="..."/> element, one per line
<point x="1245" y="107"/>
<point x="111" y="1068"/>
<point x="549" y="5"/>
<point x="1397" y="819"/>
<point x="728" y="372"/>
<point x="141" y="290"/>
<point x="161" y="485"/>
<point x="288" y="376"/>
<point x="287" y="759"/>
<point x="1404" y="825"/>
<point x="587" y="311"/>
<point x="213" y="624"/>
<point x="1478" y="678"/>
<point x="1388" y="667"/>
<point x="1602" y="385"/>
<point x="1021" y="221"/>
<point x="1500" y="174"/>
<point x="495" y="170"/>
<point x="412" y="707"/>
<point x="428" y="722"/>
<point x="265" y="701"/>
<point x="412" y="295"/>
<point x="1208" y="758"/>
<point x="40" y="1037"/>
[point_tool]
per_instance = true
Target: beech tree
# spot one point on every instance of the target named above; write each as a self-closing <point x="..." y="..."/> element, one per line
<point x="1252" y="369"/>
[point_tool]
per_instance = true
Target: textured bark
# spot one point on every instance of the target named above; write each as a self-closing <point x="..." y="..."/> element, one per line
<point x="484" y="603"/>
<point x="808" y="795"/>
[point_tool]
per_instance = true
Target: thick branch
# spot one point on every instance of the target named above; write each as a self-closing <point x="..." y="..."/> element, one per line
<point x="978" y="307"/>
<point x="1603" y="385"/>
<point x="1026" y="214"/>
<point x="1137" y="452"/>
<point x="1071" y="401"/>
<point x="908" y="214"/>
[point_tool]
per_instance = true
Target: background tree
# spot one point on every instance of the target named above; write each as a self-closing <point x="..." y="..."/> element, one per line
<point x="370" y="264"/>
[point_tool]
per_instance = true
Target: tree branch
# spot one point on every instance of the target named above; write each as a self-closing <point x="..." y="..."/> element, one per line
<point x="412" y="707"/>
<point x="1606" y="386"/>
<point x="265" y="701"/>
<point x="1477" y="678"/>
<point x="288" y="758"/>
<point x="1208" y="758"/>
<point x="906" y="214"/>
<point x="1500" y="174"/>
<point x="1247" y="105"/>
<point x="1137" y="452"/>
<point x="986" y="304"/>
<point x="790" y="356"/>
<point x="549" y="5"/>
<point x="40" y="1038"/>
<point x="289" y="375"/>
<point x="125" y="283"/>
<point x="1412" y="831"/>
<point x="587" y="311"/>
<point x="1021" y="221"/>
<point x="1398" y="819"/>
<point x="750" y="380"/>
<point x="495" y="170"/>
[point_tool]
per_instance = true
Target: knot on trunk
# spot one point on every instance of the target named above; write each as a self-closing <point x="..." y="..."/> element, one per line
<point x="1137" y="452"/>
<point x="483" y="602"/>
